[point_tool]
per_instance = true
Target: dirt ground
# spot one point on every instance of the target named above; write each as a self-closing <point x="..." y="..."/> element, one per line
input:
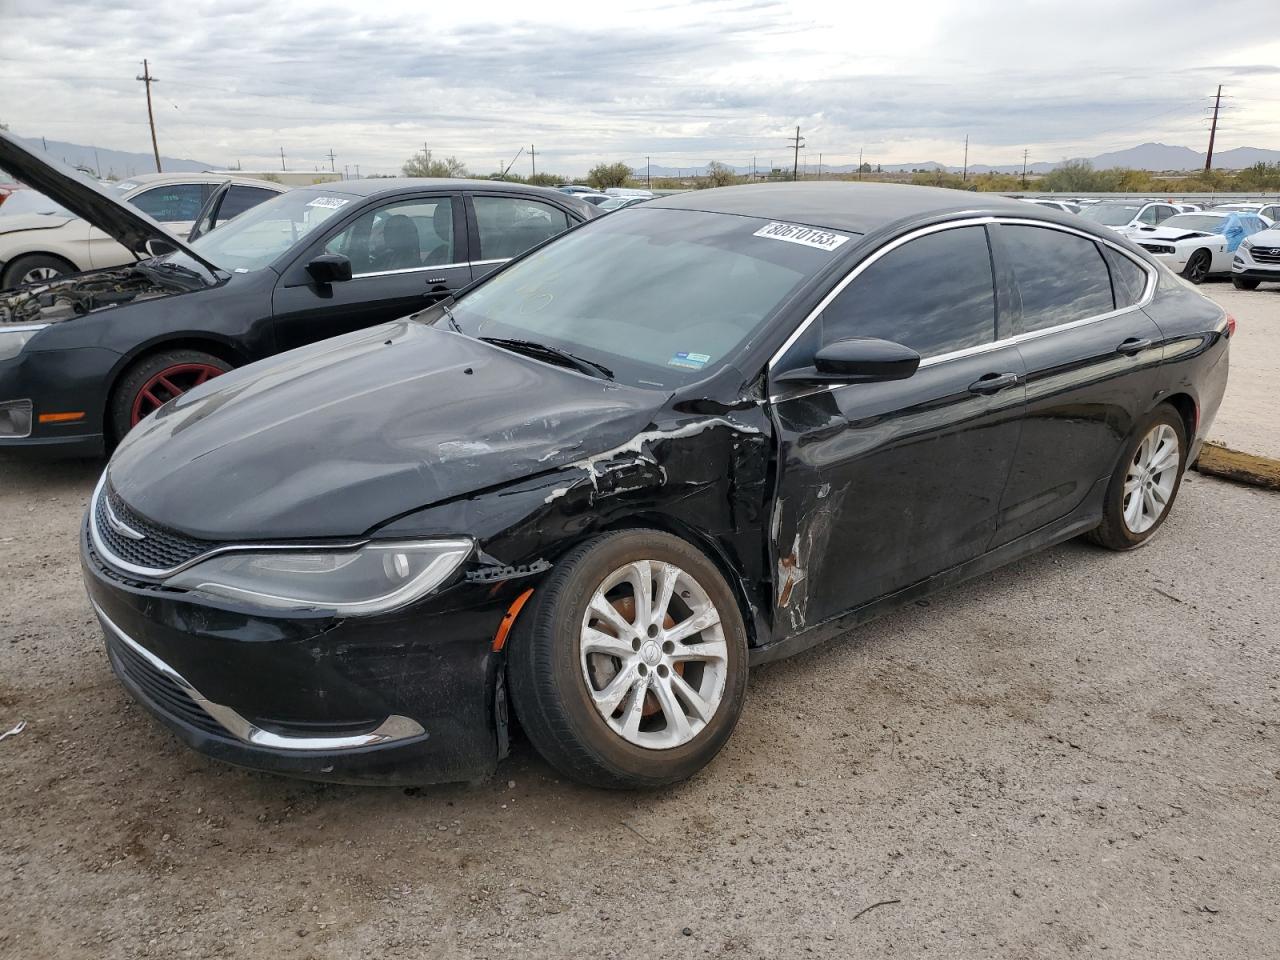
<point x="1077" y="755"/>
<point x="1247" y="419"/>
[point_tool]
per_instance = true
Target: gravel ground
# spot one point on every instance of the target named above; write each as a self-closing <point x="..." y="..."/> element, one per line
<point x="1076" y="755"/>
<point x="1247" y="418"/>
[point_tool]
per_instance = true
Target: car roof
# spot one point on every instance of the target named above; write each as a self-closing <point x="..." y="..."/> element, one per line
<point x="380" y="185"/>
<point x="150" y="179"/>
<point x="853" y="207"/>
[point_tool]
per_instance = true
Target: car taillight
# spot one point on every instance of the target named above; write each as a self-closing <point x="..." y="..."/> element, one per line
<point x="1231" y="325"/>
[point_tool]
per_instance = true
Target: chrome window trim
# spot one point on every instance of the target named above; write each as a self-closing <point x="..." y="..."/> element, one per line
<point x="394" y="727"/>
<point x="155" y="574"/>
<point x="485" y="263"/>
<point x="392" y="273"/>
<point x="1148" y="293"/>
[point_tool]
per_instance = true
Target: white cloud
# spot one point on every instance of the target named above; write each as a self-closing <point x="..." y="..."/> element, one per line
<point x="683" y="83"/>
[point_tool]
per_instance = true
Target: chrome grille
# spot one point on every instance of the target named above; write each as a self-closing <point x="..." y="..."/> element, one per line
<point x="156" y="549"/>
<point x="1266" y="254"/>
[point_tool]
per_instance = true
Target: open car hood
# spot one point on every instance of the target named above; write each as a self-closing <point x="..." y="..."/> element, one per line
<point x="126" y="224"/>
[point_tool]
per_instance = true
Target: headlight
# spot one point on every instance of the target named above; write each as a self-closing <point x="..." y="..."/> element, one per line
<point x="366" y="580"/>
<point x="1247" y="243"/>
<point x="15" y="338"/>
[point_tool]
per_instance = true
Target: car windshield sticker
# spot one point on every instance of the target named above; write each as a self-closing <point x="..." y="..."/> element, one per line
<point x="331" y="203"/>
<point x="690" y="361"/>
<point x="808" y="236"/>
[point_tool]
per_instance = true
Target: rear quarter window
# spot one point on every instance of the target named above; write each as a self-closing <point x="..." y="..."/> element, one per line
<point x="1128" y="280"/>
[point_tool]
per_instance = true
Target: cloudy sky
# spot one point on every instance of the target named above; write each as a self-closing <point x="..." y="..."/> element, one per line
<point x="682" y="82"/>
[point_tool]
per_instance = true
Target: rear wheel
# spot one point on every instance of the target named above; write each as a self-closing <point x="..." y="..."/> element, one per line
<point x="1144" y="485"/>
<point x="1197" y="268"/>
<point x="1241" y="283"/>
<point x="630" y="668"/>
<point x="155" y="380"/>
<point x="34" y="268"/>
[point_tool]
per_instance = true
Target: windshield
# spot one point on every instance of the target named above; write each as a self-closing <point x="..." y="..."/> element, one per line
<point x="1110" y="214"/>
<point x="256" y="237"/>
<point x="1196" y="221"/>
<point x="660" y="297"/>
<point x="30" y="201"/>
<point x="613" y="203"/>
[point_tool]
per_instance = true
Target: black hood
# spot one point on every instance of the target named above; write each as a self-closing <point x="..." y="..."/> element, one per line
<point x="334" y="439"/>
<point x="124" y="223"/>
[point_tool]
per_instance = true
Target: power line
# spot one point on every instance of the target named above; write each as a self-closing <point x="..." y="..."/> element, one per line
<point x="147" y="80"/>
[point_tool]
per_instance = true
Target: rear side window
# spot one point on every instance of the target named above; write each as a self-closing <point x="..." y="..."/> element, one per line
<point x="239" y="199"/>
<point x="934" y="295"/>
<point x="1128" y="280"/>
<point x="173" y="202"/>
<point x="509" y="226"/>
<point x="1061" y="276"/>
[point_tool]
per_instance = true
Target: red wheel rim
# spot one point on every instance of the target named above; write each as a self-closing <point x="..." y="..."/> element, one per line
<point x="169" y="383"/>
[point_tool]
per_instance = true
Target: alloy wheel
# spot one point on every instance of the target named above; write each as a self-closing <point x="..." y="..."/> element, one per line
<point x="1198" y="269"/>
<point x="653" y="654"/>
<point x="40" y="274"/>
<point x="169" y="383"/>
<point x="1149" y="482"/>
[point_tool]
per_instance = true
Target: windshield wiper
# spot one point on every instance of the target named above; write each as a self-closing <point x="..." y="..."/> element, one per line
<point x="176" y="272"/>
<point x="554" y="354"/>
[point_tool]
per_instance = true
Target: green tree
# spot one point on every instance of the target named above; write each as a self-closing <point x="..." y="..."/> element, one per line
<point x="605" y="175"/>
<point x="718" y="175"/>
<point x="423" y="164"/>
<point x="545" y="180"/>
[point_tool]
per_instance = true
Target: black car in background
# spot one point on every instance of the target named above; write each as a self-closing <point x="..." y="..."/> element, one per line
<point x="785" y="409"/>
<point x="84" y="358"/>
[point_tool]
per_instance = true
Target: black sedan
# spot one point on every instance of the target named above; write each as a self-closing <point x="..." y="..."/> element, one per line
<point x="790" y="408"/>
<point x="84" y="358"/>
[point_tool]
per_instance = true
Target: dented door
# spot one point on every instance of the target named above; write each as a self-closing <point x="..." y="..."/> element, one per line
<point x="881" y="485"/>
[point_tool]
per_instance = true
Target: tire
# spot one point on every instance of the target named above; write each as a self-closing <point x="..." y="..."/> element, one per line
<point x="34" y="268"/>
<point x="554" y="683"/>
<point x="181" y="369"/>
<point x="1241" y="283"/>
<point x="1117" y="531"/>
<point x="1197" y="268"/>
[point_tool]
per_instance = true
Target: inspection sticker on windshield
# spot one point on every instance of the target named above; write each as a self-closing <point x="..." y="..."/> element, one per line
<point x="808" y="236"/>
<point x="690" y="361"/>
<point x="330" y="203"/>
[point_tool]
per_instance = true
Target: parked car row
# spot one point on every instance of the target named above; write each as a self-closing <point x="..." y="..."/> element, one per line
<point x="790" y="408"/>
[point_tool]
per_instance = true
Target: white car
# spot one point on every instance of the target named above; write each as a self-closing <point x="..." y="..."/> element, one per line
<point x="1132" y="218"/>
<point x="1268" y="210"/>
<point x="1062" y="205"/>
<point x="1257" y="259"/>
<point x="42" y="241"/>
<point x="1197" y="245"/>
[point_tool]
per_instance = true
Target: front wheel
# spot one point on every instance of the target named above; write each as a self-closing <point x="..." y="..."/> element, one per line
<point x="154" y="381"/>
<point x="1197" y="268"/>
<point x="630" y="668"/>
<point x="1243" y="283"/>
<point x="34" y="268"/>
<point x="1144" y="485"/>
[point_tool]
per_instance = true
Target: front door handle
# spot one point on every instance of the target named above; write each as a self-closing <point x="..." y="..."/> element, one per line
<point x="1133" y="346"/>
<point x="437" y="292"/>
<point x="993" y="383"/>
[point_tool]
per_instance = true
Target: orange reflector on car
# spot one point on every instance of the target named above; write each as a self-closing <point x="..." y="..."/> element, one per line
<point x="67" y="417"/>
<point x="504" y="628"/>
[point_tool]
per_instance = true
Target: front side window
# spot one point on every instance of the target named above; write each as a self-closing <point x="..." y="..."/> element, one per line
<point x="239" y="199"/>
<point x="258" y="236"/>
<point x="173" y="202"/>
<point x="1164" y="213"/>
<point x="407" y="235"/>
<point x="934" y="294"/>
<point x="1148" y="216"/>
<point x="1061" y="276"/>
<point x="1110" y="214"/>
<point x="509" y="226"/>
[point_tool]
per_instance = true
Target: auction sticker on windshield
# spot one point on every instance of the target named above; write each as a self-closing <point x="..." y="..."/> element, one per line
<point x="808" y="236"/>
<point x="332" y="203"/>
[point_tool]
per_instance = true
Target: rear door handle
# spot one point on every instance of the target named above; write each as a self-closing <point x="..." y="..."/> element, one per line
<point x="1133" y="346"/>
<point x="993" y="383"/>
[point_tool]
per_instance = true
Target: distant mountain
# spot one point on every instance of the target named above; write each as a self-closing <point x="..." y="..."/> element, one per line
<point x="1146" y="156"/>
<point x="120" y="163"/>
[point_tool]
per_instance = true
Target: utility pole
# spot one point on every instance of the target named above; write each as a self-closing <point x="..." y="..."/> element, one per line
<point x="97" y="164"/>
<point x="357" y="171"/>
<point x="44" y="143"/>
<point x="859" y="163"/>
<point x="965" y="176"/>
<point x="648" y="180"/>
<point x="533" y="161"/>
<point x="819" y="166"/>
<point x="346" y="171"/>
<point x="282" y="158"/>
<point x="148" y="80"/>
<point x="332" y="168"/>
<point x="1213" y="130"/>
<point x="795" y="160"/>
<point x="1024" y="168"/>
<point x="753" y="169"/>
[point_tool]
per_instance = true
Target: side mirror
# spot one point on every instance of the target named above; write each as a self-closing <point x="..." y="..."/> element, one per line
<point x="857" y="360"/>
<point x="329" y="268"/>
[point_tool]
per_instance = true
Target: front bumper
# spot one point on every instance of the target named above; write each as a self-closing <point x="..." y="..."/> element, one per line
<point x="1247" y="269"/>
<point x="60" y="382"/>
<point x="410" y="698"/>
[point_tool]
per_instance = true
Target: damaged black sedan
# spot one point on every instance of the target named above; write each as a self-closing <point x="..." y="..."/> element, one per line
<point x="691" y="436"/>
